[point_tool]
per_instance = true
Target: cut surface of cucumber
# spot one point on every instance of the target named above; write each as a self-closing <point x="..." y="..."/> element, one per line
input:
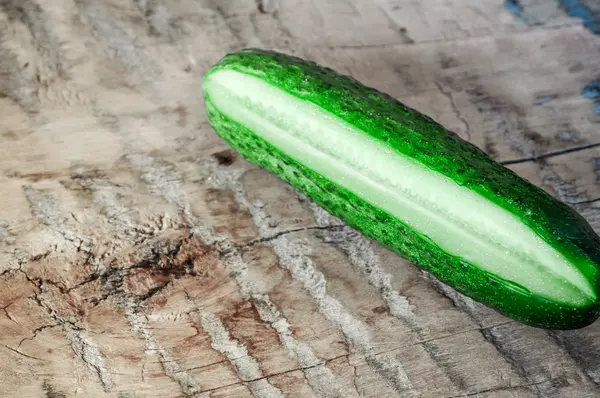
<point x="405" y="181"/>
<point x="456" y="219"/>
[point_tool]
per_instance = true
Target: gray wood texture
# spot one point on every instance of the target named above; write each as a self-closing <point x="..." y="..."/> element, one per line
<point x="139" y="257"/>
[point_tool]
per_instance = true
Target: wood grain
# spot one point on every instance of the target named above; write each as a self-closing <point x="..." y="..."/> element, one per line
<point x="139" y="256"/>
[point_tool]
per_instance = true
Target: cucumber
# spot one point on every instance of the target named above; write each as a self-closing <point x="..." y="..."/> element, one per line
<point x="408" y="183"/>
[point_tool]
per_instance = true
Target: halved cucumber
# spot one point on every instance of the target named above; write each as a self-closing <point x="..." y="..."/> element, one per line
<point x="404" y="180"/>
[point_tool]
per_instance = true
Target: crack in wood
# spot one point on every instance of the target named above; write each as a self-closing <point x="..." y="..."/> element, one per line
<point x="445" y="41"/>
<point x="35" y="333"/>
<point x="15" y="350"/>
<point x="287" y="232"/>
<point x="550" y="154"/>
<point x="455" y="109"/>
<point x="81" y="345"/>
<point x="501" y="389"/>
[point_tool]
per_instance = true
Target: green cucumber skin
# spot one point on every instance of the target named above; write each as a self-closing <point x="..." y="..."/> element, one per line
<point x="414" y="135"/>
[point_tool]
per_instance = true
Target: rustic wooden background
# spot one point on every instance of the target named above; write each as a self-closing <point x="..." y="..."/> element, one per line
<point x="139" y="257"/>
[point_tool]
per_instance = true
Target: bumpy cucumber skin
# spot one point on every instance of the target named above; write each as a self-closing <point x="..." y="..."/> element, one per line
<point x="419" y="137"/>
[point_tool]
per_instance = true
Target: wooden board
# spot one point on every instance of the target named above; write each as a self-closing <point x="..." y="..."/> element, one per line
<point x="140" y="257"/>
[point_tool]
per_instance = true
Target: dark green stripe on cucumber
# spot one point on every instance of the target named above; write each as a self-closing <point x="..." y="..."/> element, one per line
<point x="405" y="181"/>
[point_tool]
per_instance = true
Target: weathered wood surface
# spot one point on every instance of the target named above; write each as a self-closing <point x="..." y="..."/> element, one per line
<point x="138" y="257"/>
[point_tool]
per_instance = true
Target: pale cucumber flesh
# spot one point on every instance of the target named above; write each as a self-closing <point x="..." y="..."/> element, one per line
<point x="458" y="220"/>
